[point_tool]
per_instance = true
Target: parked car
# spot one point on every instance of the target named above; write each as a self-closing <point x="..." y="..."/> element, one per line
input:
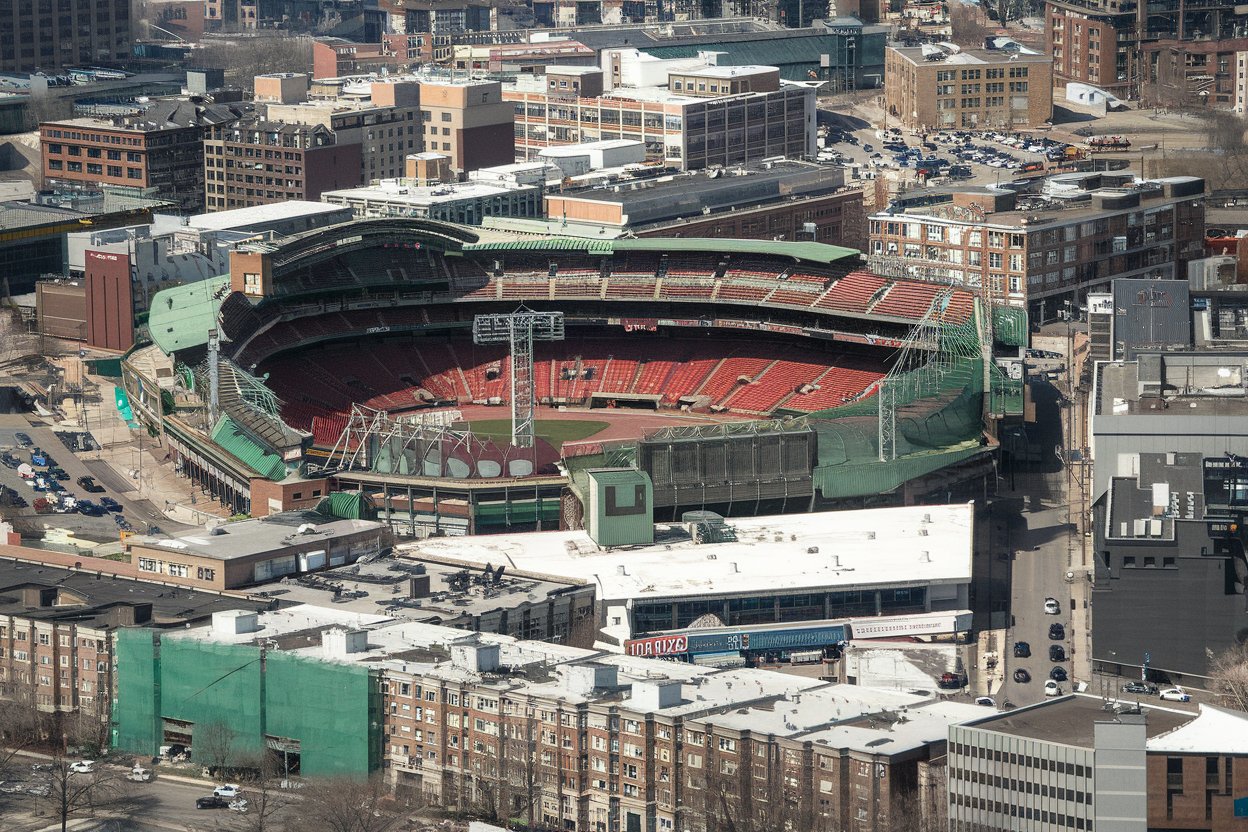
<point x="1175" y="695"/>
<point x="228" y="791"/>
<point x="23" y="441"/>
<point x="1058" y="674"/>
<point x="210" y="802"/>
<point x="1051" y="688"/>
<point x="1140" y="687"/>
<point x="139" y="774"/>
<point x="1022" y="650"/>
<point x="89" y="509"/>
<point x="82" y="767"/>
<point x="239" y="805"/>
<point x="952" y="681"/>
<point x="9" y="461"/>
<point x="987" y="701"/>
<point x="1051" y="607"/>
<point x="1022" y="676"/>
<point x="1057" y="632"/>
<point x="1057" y="653"/>
<point x="109" y="504"/>
<point x="39" y="457"/>
<point x="90" y="485"/>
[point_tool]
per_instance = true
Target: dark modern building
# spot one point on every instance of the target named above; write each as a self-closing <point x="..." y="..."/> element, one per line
<point x="72" y="33"/>
<point x="1169" y="495"/>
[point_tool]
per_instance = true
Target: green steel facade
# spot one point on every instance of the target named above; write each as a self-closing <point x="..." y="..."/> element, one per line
<point x="330" y="711"/>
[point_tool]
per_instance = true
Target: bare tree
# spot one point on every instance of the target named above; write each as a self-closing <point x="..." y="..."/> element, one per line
<point x="967" y="23"/>
<point x="245" y="57"/>
<point x="214" y="746"/>
<point x="268" y="804"/>
<point x="344" y="804"/>
<point x="75" y="793"/>
<point x="22" y="727"/>
<point x="1228" y="672"/>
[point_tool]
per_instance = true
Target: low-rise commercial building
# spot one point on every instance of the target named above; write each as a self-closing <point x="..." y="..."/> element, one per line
<point x="254" y="551"/>
<point x="778" y="200"/>
<point x="930" y="88"/>
<point x="688" y="113"/>
<point x="762" y="570"/>
<point x="466" y="203"/>
<point x="1040" y="250"/>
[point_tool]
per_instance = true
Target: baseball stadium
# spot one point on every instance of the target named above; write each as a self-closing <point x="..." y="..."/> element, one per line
<point x="450" y="381"/>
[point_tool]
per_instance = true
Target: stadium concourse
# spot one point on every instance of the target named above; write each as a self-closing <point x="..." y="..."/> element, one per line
<point x="317" y="357"/>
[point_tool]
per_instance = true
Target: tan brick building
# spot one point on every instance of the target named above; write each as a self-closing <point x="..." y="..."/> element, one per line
<point x="469" y="122"/>
<point x="927" y="88"/>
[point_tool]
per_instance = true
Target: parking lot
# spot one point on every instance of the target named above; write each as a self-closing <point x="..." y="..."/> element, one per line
<point x="140" y="514"/>
<point x="974" y="157"/>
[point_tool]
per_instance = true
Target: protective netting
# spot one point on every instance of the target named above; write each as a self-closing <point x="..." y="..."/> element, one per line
<point x="329" y="711"/>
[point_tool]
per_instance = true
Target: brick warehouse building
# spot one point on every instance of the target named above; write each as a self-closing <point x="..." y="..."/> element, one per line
<point x="974" y="89"/>
<point x="257" y="162"/>
<point x="160" y="149"/>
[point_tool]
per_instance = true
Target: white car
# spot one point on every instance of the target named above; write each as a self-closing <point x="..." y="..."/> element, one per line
<point x="229" y="791"/>
<point x="82" y="767"/>
<point x="1051" y="607"/>
<point x="238" y="805"/>
<point x="1175" y="695"/>
<point x="1051" y="688"/>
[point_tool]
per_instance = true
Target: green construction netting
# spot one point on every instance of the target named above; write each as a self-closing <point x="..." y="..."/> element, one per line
<point x="332" y="710"/>
<point x="1009" y="325"/>
<point x="348" y="505"/>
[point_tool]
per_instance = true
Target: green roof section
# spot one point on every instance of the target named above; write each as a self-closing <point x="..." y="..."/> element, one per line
<point x="543" y="244"/>
<point x="231" y="439"/>
<point x="809" y="252"/>
<point x="181" y="316"/>
<point x="348" y="505"/>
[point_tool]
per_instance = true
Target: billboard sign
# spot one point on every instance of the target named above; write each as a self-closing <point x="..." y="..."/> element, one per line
<point x="1100" y="304"/>
<point x="657" y="646"/>
<point x="892" y="626"/>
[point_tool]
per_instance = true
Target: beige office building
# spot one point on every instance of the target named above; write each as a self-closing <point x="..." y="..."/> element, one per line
<point x="469" y="122"/>
<point x="930" y="88"/>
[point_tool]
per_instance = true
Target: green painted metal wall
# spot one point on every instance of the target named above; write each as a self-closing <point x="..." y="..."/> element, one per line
<point x="332" y="709"/>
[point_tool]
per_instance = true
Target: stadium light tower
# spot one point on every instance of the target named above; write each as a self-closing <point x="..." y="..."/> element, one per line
<point x="519" y="330"/>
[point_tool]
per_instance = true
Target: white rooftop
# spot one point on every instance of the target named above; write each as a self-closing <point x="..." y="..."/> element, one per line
<point x="1214" y="731"/>
<point x="246" y="217"/>
<point x="400" y="191"/>
<point x="585" y="147"/>
<point x="870" y="547"/>
<point x="737" y="71"/>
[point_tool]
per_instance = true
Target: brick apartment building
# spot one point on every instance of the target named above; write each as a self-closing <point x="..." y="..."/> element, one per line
<point x="967" y="90"/>
<point x="676" y="751"/>
<point x="1040" y="251"/>
<point x="76" y="33"/>
<point x="160" y="150"/>
<point x="257" y="162"/>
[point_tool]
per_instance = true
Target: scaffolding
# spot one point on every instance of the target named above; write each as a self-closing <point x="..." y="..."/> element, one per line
<point x="369" y="431"/>
<point x="519" y="330"/>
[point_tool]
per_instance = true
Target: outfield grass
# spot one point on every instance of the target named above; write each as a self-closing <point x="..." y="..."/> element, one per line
<point x="554" y="431"/>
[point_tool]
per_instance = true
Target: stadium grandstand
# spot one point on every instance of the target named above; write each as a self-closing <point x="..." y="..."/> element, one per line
<point x="741" y="376"/>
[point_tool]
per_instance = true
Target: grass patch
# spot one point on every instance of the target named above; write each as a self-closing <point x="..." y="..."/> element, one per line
<point x="554" y="431"/>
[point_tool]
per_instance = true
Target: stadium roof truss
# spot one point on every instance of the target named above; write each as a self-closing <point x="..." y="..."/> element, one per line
<point x="368" y="429"/>
<point x="246" y="399"/>
<point x="724" y="430"/>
